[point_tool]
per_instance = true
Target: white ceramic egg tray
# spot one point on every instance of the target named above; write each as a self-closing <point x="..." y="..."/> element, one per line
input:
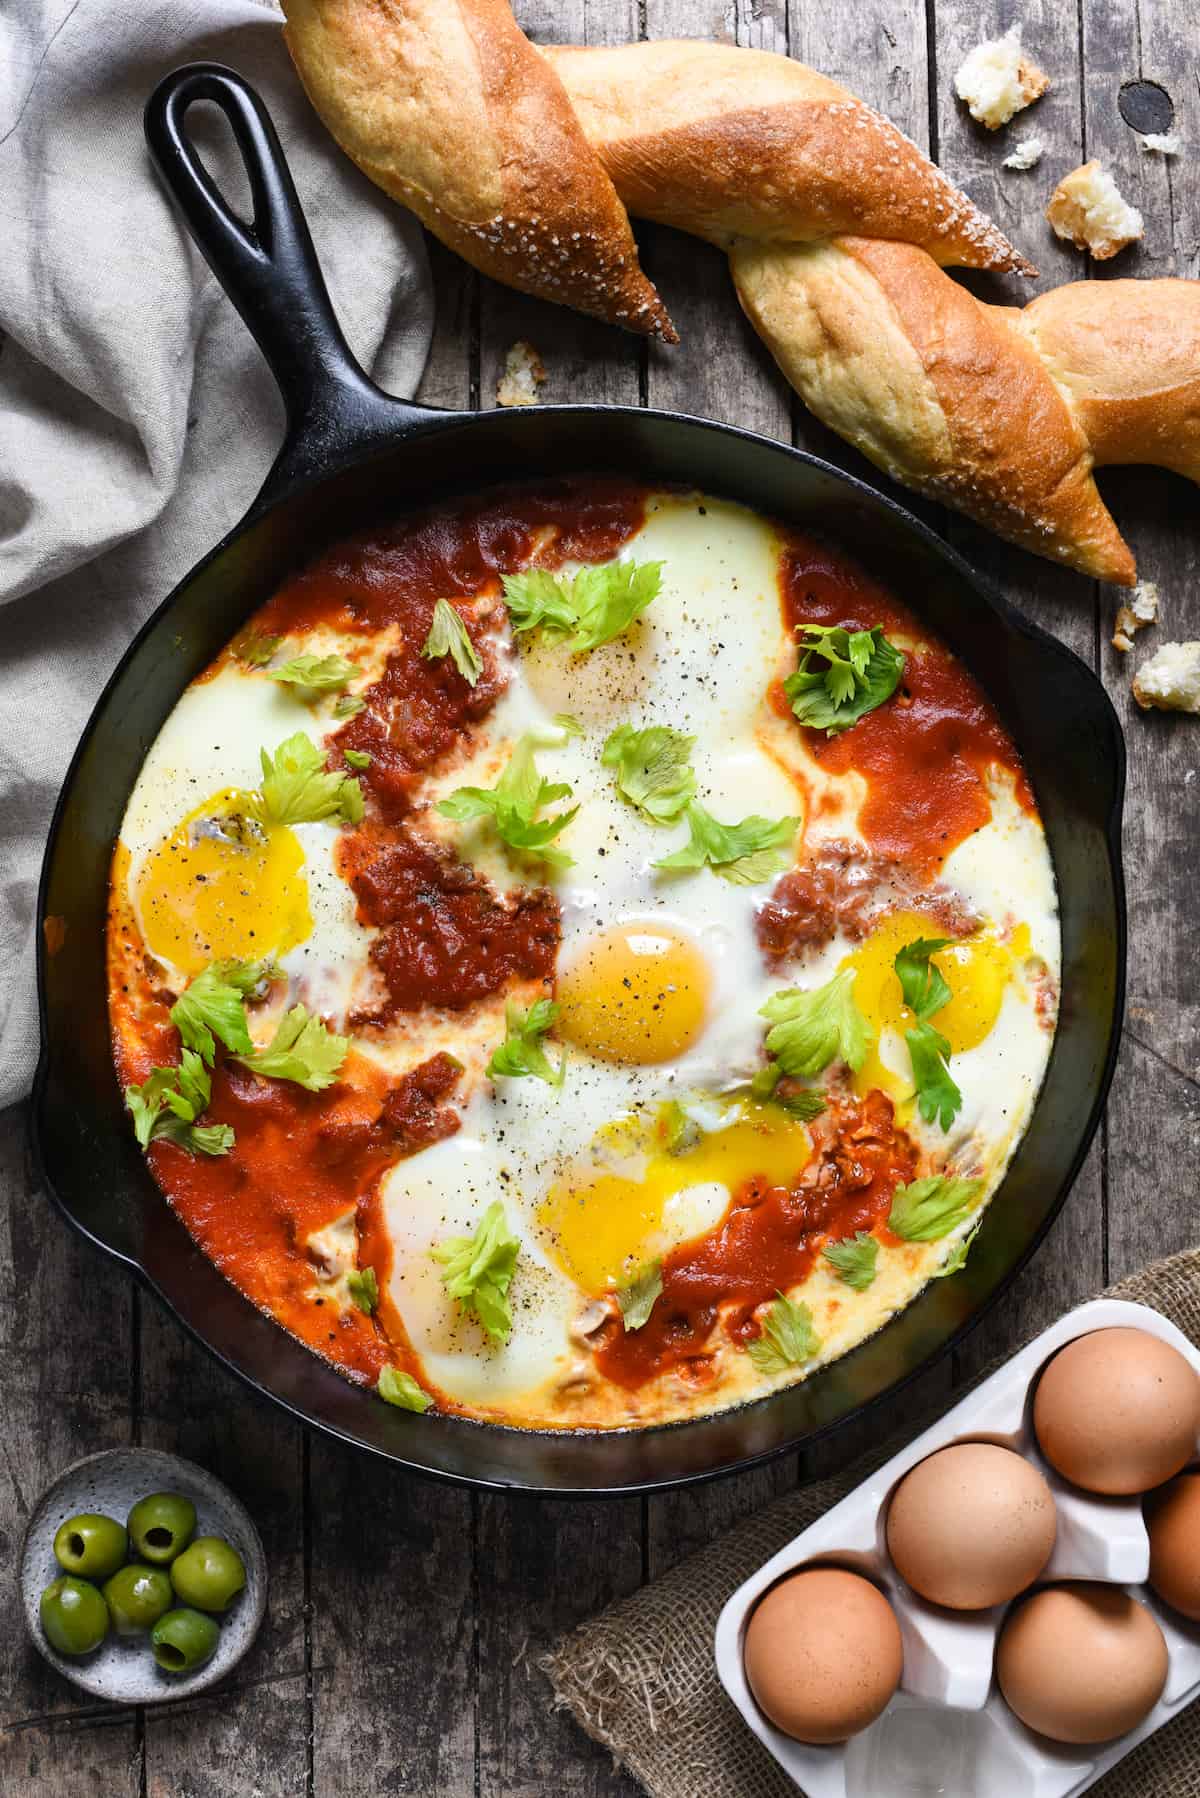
<point x="947" y="1730"/>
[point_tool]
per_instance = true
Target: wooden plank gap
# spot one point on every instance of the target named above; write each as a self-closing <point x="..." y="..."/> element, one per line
<point x="310" y="1715"/>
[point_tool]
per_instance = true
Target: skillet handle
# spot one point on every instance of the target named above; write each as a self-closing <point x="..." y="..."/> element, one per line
<point x="270" y="271"/>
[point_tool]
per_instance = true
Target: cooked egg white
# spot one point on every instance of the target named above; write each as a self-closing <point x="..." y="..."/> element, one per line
<point x="660" y="976"/>
<point x="203" y="886"/>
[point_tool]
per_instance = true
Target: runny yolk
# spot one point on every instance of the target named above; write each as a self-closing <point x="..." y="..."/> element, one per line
<point x="636" y="993"/>
<point x="632" y="1200"/>
<point x="220" y="886"/>
<point x="977" y="970"/>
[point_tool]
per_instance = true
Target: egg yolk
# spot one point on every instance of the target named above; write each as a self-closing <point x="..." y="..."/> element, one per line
<point x="637" y="993"/>
<point x="977" y="970"/>
<point x="220" y="886"/>
<point x="634" y="1200"/>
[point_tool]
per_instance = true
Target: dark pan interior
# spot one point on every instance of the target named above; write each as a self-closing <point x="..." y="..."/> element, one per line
<point x="1054" y="706"/>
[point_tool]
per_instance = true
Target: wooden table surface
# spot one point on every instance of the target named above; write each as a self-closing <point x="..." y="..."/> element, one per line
<point x="406" y="1618"/>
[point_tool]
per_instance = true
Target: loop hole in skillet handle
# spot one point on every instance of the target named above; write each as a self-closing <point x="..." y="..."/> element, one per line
<point x="270" y="271"/>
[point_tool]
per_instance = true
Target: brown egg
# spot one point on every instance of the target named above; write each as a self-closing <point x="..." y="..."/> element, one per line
<point x="971" y="1526"/>
<point x="1173" y="1520"/>
<point x="1081" y="1662"/>
<point x="1117" y="1411"/>
<point x="823" y="1654"/>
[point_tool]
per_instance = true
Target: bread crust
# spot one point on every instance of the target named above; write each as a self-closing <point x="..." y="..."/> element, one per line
<point x="1128" y="355"/>
<point x="943" y="393"/>
<point x="446" y="106"/>
<point x="728" y="143"/>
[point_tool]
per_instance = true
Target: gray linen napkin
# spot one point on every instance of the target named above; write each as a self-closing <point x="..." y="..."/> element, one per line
<point x="136" y="417"/>
<point x="640" y="1677"/>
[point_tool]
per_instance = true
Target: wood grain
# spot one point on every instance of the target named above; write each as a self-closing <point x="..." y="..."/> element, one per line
<point x="406" y="1618"/>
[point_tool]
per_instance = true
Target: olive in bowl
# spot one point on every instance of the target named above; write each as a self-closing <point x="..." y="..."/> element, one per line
<point x="74" y="1616"/>
<point x="137" y="1596"/>
<point x="209" y="1574"/>
<point x="161" y="1526"/>
<point x="90" y="1545"/>
<point x="124" y="1668"/>
<point x="184" y="1639"/>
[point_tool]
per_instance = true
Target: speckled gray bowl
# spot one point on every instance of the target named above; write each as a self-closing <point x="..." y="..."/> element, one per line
<point x="124" y="1668"/>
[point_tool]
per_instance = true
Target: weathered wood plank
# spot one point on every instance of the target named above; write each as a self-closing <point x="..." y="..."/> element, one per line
<point x="542" y="1567"/>
<point x="65" y="1329"/>
<point x="720" y="369"/>
<point x="1155" y="1106"/>
<point x="393" y="1619"/>
<point x="64" y="1757"/>
<point x="1070" y="1264"/>
<point x="190" y="1406"/>
<point x="230" y="1743"/>
<point x="584" y="359"/>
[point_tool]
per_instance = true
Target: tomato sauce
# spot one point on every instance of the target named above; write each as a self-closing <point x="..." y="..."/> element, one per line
<point x="395" y="575"/>
<point x="765" y="1244"/>
<point x="447" y="938"/>
<point x="925" y="753"/>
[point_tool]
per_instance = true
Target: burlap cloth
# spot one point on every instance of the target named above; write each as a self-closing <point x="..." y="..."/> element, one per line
<point x="640" y="1677"/>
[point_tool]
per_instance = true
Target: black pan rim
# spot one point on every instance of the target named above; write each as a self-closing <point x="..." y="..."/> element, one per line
<point x="429" y="420"/>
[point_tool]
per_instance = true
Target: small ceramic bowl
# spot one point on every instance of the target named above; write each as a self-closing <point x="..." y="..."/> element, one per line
<point x="123" y="1668"/>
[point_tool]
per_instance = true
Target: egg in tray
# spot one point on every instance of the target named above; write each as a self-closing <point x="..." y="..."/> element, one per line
<point x="1008" y="1605"/>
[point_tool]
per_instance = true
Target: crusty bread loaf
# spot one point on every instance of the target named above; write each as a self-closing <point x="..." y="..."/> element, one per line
<point x="728" y="143"/>
<point x="1128" y="355"/>
<point x="448" y="107"/>
<point x="942" y="393"/>
<point x="837" y="229"/>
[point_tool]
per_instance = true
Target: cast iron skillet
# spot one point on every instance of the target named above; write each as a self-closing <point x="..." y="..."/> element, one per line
<point x="351" y="453"/>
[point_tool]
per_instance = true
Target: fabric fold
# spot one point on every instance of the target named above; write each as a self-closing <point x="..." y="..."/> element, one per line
<point x="137" y="419"/>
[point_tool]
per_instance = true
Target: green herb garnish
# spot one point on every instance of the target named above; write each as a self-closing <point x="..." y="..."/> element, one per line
<point x="314" y="676"/>
<point x="588" y="608"/>
<point x="637" y="1299"/>
<point x="448" y="637"/>
<point x="787" y="1339"/>
<point x="402" y="1390"/>
<point x="213" y="1005"/>
<point x="653" y="769"/>
<point x="931" y="1208"/>
<point x="302" y="1050"/>
<point x="297" y="789"/>
<point x="513" y="805"/>
<point x="860" y="669"/>
<point x="363" y="1288"/>
<point x="479" y="1271"/>
<point x="854" y="1259"/>
<point x="925" y="992"/>
<point x="166" y="1105"/>
<point x="811" y="1029"/>
<point x="255" y="650"/>
<point x="521" y="1053"/>
<point x="745" y="853"/>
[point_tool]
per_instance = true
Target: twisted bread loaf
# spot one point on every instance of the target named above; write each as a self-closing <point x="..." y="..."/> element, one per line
<point x="836" y="227"/>
<point x="1000" y="411"/>
<point x="447" y="106"/>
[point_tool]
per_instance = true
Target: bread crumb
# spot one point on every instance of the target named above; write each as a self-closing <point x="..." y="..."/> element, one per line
<point x="1141" y="610"/>
<point x="1162" y="143"/>
<point x="1086" y="208"/>
<point x="1170" y="680"/>
<point x="996" y="81"/>
<point x="524" y="372"/>
<point x="1026" y="154"/>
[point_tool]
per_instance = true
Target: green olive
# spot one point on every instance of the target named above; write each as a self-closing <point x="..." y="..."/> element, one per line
<point x="73" y="1615"/>
<point x="209" y="1574"/>
<point x="184" y="1640"/>
<point x="161" y="1525"/>
<point x="91" y="1546"/>
<point x="136" y="1597"/>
